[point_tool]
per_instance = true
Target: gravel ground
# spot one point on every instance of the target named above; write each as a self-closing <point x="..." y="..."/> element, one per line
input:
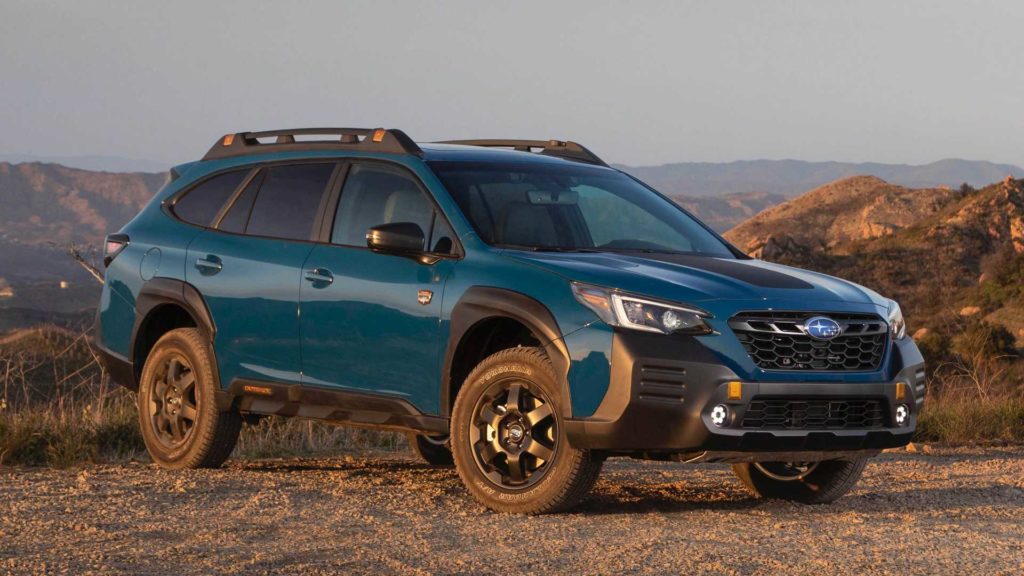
<point x="940" y="512"/>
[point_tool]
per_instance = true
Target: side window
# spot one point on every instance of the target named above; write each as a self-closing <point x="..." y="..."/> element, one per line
<point x="376" y="194"/>
<point x="201" y="204"/>
<point x="287" y="202"/>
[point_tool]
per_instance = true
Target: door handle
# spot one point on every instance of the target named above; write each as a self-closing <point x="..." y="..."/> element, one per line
<point x="209" y="264"/>
<point x="319" y="276"/>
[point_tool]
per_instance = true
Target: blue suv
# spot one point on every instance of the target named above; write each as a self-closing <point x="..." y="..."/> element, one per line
<point x="519" y="308"/>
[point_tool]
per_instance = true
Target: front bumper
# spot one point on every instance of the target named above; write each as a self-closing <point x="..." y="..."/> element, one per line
<point x="663" y="390"/>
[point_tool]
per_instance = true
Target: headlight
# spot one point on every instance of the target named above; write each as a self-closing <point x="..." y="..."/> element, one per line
<point x="897" y="325"/>
<point x="637" y="313"/>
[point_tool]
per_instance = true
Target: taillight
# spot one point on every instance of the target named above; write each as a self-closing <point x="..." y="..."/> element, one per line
<point x="115" y="244"/>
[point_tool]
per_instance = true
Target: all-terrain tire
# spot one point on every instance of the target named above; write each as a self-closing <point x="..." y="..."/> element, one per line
<point x="211" y="434"/>
<point x="827" y="482"/>
<point x="430" y="450"/>
<point x="566" y="477"/>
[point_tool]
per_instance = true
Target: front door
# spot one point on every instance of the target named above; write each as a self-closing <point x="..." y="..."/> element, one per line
<point x="370" y="321"/>
<point x="249" y="269"/>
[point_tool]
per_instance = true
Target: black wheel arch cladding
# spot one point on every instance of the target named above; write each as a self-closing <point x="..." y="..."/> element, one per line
<point x="482" y="303"/>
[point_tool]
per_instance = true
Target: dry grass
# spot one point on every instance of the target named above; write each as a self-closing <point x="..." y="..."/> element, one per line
<point x="58" y="408"/>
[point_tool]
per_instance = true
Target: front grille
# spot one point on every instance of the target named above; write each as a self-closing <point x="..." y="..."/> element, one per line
<point x="812" y="414"/>
<point x="777" y="341"/>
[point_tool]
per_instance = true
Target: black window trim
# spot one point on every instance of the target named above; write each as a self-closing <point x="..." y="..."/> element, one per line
<point x="332" y="209"/>
<point x="256" y="169"/>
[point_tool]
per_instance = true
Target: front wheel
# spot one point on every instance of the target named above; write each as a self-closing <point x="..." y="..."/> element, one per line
<point x="508" y="437"/>
<point x="807" y="482"/>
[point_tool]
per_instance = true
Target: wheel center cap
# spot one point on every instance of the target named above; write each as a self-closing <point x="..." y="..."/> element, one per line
<point x="516" y="432"/>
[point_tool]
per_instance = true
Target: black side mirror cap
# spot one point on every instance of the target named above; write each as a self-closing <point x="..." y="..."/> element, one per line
<point x="397" y="237"/>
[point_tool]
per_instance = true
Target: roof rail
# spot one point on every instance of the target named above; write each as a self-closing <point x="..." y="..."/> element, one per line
<point x="362" y="139"/>
<point x="559" y="148"/>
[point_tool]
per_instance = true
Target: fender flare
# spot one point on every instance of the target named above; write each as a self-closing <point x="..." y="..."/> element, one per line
<point x="162" y="291"/>
<point x="480" y="303"/>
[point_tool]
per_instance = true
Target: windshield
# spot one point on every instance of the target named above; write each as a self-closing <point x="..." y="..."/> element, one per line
<point x="537" y="206"/>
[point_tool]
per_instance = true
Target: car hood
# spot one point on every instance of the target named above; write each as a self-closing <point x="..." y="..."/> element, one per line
<point x="690" y="278"/>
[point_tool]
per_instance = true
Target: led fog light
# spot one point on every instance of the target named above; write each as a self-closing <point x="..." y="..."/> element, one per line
<point x="902" y="415"/>
<point x="719" y="414"/>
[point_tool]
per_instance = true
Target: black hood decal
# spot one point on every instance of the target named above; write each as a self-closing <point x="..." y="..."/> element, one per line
<point x="735" y="269"/>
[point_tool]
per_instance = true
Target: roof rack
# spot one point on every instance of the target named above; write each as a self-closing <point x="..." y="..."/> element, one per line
<point x="559" y="148"/>
<point x="362" y="139"/>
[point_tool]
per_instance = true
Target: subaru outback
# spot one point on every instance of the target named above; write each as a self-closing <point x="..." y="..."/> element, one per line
<point x="519" y="308"/>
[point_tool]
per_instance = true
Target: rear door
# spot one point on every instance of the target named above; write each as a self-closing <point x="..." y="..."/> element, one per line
<point x="249" y="267"/>
<point x="371" y="321"/>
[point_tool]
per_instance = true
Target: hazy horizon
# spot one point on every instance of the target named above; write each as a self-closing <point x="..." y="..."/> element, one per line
<point x="643" y="85"/>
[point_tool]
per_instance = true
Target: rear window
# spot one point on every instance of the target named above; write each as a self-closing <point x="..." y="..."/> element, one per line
<point x="201" y="204"/>
<point x="287" y="203"/>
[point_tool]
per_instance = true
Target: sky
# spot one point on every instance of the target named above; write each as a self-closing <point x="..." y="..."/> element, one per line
<point x="638" y="83"/>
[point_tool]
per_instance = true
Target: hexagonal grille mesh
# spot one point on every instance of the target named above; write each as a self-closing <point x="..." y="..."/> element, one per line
<point x="812" y="414"/>
<point x="774" y="341"/>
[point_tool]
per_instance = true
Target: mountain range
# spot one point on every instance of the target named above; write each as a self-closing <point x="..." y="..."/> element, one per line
<point x="941" y="250"/>
<point x="793" y="177"/>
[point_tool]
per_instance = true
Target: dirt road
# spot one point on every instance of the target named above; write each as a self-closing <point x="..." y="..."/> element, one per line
<point x="950" y="511"/>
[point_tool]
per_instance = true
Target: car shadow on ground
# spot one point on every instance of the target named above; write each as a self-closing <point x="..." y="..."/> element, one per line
<point x="620" y="496"/>
<point x="358" y="465"/>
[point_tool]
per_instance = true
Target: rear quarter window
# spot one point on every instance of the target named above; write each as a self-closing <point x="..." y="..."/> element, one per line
<point x="201" y="204"/>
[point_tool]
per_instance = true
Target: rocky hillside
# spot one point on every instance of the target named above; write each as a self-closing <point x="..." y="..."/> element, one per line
<point x="44" y="207"/>
<point x="44" y="203"/>
<point x="954" y="259"/>
<point x="833" y="215"/>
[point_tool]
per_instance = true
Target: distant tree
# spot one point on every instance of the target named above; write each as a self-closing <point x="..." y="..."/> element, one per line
<point x="966" y="188"/>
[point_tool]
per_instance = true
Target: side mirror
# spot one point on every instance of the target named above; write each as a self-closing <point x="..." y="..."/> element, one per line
<point x="397" y="237"/>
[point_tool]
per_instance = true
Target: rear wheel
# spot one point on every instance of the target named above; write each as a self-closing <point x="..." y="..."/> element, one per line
<point x="509" y="441"/>
<point x="431" y="449"/>
<point x="807" y="482"/>
<point x="178" y="415"/>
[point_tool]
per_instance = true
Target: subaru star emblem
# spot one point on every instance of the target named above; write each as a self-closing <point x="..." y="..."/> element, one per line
<point x="822" y="328"/>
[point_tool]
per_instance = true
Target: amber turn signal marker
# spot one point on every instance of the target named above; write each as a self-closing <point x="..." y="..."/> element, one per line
<point x="901" y="390"/>
<point x="228" y="139"/>
<point x="378" y="135"/>
<point x="735" y="390"/>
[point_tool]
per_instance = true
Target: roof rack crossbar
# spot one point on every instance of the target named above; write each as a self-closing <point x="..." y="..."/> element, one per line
<point x="362" y="139"/>
<point x="559" y="148"/>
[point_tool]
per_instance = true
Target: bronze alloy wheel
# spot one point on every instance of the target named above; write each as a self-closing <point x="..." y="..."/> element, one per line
<point x="514" y="434"/>
<point x="172" y="404"/>
<point x="510" y="448"/>
<point x="180" y="421"/>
